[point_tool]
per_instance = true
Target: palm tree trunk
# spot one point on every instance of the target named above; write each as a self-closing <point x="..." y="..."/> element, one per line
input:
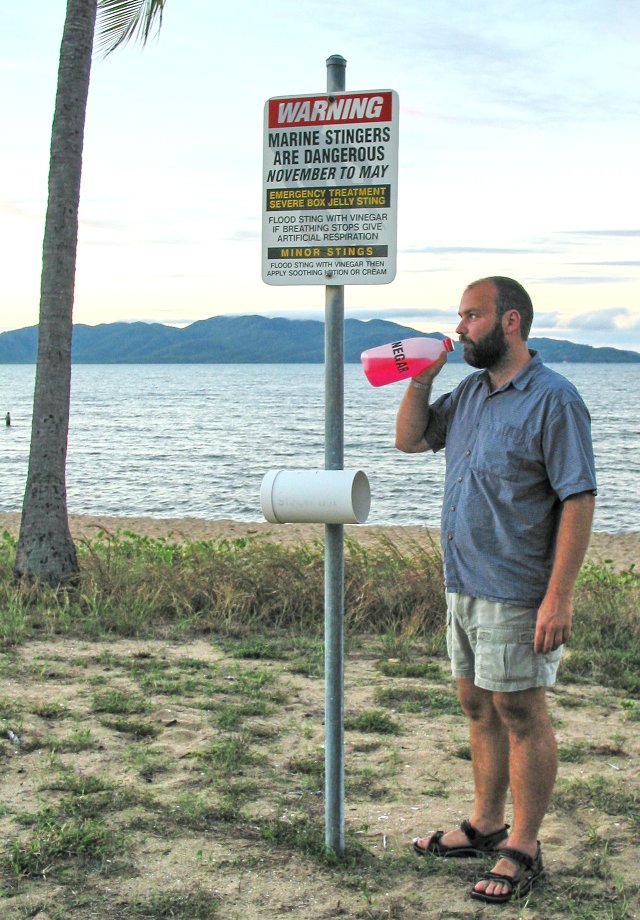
<point x="46" y="551"/>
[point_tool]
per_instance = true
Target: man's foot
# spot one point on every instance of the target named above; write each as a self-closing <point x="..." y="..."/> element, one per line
<point x="463" y="841"/>
<point x="514" y="876"/>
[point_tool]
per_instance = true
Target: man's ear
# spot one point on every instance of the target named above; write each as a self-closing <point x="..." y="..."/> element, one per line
<point x="511" y="322"/>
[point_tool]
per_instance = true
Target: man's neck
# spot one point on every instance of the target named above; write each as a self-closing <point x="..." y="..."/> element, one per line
<point x="512" y="363"/>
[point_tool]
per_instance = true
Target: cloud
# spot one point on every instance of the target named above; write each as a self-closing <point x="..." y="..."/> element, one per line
<point x="630" y="263"/>
<point x="406" y="314"/>
<point x="548" y="320"/>
<point x="474" y="250"/>
<point x="622" y="234"/>
<point x="23" y="210"/>
<point x="598" y="320"/>
<point x="582" y="279"/>
<point x="610" y="319"/>
<point x="615" y="327"/>
<point x="242" y="236"/>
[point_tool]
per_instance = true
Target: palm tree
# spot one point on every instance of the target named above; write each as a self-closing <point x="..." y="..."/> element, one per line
<point x="46" y="551"/>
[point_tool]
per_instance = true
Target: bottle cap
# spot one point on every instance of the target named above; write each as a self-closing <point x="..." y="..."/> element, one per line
<point x="448" y="344"/>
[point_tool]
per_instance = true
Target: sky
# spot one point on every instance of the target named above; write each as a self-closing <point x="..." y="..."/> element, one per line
<point x="519" y="153"/>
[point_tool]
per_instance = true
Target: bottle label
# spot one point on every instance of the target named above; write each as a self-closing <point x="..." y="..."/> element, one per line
<point x="399" y="357"/>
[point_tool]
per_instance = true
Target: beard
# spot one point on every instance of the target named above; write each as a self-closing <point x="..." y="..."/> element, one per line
<point x="488" y="351"/>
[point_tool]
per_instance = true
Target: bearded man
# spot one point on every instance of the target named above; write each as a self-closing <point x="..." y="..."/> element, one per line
<point x="516" y="522"/>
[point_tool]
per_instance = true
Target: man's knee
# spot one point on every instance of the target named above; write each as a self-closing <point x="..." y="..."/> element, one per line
<point x="523" y="712"/>
<point x="476" y="703"/>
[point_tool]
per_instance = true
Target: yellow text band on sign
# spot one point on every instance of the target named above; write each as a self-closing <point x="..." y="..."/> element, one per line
<point x="356" y="196"/>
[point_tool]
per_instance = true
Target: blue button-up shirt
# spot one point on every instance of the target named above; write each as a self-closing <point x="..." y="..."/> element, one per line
<point x="512" y="457"/>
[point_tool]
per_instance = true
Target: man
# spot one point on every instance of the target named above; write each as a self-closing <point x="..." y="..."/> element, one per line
<point x="516" y="521"/>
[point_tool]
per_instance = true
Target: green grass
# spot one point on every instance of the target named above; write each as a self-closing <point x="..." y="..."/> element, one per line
<point x="9" y="709"/>
<point x="308" y="765"/>
<point x="81" y="739"/>
<point x="374" y="721"/>
<point x="232" y="716"/>
<point x="412" y="669"/>
<point x="119" y="702"/>
<point x="56" y="841"/>
<point x="609" y="796"/>
<point x="192" y="905"/>
<point x="417" y="699"/>
<point x="50" y="709"/>
<point x="135" y="727"/>
<point x="229" y="754"/>
<point x="305" y="834"/>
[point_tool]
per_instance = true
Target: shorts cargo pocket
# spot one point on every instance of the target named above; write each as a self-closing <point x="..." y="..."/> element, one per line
<point x="505" y="653"/>
<point x="547" y="666"/>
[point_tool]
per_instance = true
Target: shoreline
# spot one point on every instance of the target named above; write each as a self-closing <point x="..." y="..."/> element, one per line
<point x="621" y="549"/>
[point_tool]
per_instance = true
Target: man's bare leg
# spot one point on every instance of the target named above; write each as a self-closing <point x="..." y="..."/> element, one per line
<point x="490" y="760"/>
<point x="533" y="764"/>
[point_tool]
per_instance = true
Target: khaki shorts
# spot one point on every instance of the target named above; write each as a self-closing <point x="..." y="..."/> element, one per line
<point x="491" y="643"/>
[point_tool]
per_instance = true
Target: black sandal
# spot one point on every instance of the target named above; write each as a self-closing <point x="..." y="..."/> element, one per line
<point x="528" y="870"/>
<point x="479" y="844"/>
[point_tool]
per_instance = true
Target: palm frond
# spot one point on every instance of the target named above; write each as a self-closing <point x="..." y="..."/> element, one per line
<point x="121" y="21"/>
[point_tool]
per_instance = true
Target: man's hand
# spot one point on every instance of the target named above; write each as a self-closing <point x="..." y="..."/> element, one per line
<point x="433" y="370"/>
<point x="553" y="625"/>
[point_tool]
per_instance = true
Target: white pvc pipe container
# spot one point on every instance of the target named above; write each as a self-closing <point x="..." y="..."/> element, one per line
<point x="315" y="497"/>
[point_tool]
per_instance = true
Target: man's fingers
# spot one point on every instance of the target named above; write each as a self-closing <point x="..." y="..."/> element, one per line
<point x="549" y="641"/>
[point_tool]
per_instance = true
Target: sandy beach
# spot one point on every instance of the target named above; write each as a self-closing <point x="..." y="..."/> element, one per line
<point x="622" y="550"/>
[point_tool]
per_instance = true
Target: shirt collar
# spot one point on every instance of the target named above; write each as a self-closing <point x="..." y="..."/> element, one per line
<point x="521" y="379"/>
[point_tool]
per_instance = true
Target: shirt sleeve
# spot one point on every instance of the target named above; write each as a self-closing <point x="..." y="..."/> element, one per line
<point x="568" y="450"/>
<point x="436" y="431"/>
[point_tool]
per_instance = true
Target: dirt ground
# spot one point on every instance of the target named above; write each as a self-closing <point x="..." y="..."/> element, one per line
<point x="166" y="792"/>
<point x="184" y="780"/>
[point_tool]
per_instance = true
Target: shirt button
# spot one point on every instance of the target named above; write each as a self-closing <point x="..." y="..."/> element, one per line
<point x="459" y="478"/>
<point x="449" y="536"/>
<point x="453" y="507"/>
<point x="468" y="453"/>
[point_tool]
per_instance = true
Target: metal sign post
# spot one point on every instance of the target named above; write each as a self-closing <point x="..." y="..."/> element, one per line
<point x="334" y="542"/>
<point x="329" y="217"/>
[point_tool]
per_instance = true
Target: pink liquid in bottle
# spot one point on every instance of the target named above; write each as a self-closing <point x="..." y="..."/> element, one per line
<point x="400" y="360"/>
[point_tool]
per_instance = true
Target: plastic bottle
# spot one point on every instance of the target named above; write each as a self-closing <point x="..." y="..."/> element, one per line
<point x="402" y="359"/>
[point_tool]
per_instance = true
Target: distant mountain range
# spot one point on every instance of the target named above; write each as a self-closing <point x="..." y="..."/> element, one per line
<point x="253" y="340"/>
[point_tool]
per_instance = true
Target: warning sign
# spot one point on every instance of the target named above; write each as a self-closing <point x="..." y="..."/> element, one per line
<point x="330" y="189"/>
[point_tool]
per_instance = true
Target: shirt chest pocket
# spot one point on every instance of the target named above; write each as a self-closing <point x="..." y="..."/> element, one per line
<point x="502" y="451"/>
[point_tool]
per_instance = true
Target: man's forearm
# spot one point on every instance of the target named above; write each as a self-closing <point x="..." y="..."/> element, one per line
<point x="574" y="532"/>
<point x="412" y="418"/>
<point x="555" y="614"/>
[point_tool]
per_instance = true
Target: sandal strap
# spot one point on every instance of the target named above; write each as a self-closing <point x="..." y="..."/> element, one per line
<point x="519" y="858"/>
<point x="476" y="838"/>
<point x="499" y="877"/>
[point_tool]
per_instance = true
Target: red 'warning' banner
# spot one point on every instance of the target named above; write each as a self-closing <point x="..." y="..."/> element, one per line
<point x="340" y="108"/>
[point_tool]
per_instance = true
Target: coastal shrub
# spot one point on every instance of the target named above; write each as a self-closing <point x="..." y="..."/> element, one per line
<point x="245" y="584"/>
<point x="605" y="645"/>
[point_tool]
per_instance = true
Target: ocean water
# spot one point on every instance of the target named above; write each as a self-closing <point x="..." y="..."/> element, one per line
<point x="196" y="440"/>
